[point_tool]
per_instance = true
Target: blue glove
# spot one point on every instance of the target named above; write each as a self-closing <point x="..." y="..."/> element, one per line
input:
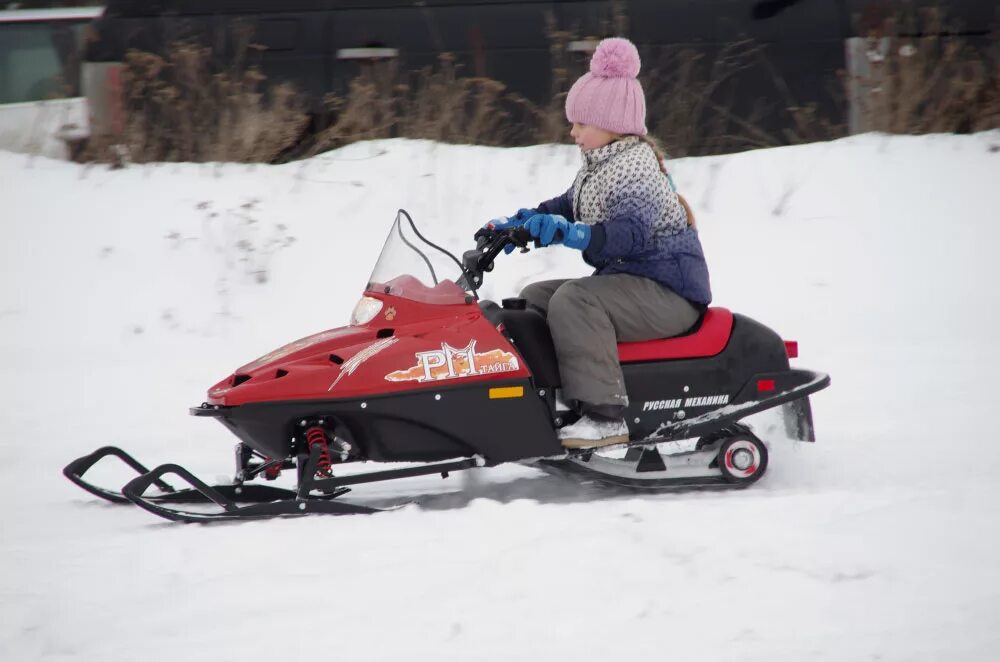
<point x="515" y="221"/>
<point x="554" y="229"/>
<point x="508" y="222"/>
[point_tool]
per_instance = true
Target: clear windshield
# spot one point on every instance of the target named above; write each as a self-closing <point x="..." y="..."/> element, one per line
<point x="411" y="268"/>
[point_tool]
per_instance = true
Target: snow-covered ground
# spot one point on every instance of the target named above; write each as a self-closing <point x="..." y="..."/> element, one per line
<point x="125" y="294"/>
<point x="39" y="127"/>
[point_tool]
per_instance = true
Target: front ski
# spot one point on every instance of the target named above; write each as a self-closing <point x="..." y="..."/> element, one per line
<point x="75" y="470"/>
<point x="298" y="504"/>
<point x="314" y="495"/>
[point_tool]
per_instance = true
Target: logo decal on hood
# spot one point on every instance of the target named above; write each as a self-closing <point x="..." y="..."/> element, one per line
<point x="451" y="363"/>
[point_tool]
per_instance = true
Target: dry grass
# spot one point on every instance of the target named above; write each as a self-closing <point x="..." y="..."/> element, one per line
<point x="434" y="103"/>
<point x="691" y="103"/>
<point x="935" y="83"/>
<point x="179" y="107"/>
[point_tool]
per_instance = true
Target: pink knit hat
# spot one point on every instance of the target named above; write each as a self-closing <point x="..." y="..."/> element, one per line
<point x="610" y="97"/>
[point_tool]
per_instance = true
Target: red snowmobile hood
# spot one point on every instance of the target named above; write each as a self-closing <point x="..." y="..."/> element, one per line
<point x="410" y="345"/>
<point x="324" y="343"/>
<point x="340" y="337"/>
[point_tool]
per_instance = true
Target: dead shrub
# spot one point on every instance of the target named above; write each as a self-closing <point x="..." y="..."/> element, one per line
<point x="434" y="103"/>
<point x="917" y="75"/>
<point x="691" y="102"/>
<point x="181" y="107"/>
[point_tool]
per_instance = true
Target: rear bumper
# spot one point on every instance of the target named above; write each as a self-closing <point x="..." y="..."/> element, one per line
<point x="790" y="393"/>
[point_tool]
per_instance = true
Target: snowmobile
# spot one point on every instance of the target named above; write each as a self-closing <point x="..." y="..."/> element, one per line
<point x="428" y="374"/>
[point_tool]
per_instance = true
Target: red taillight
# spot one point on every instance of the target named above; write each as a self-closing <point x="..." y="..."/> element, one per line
<point x="765" y="385"/>
<point x="792" y="348"/>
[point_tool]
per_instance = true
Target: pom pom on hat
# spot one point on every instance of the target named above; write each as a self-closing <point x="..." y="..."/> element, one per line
<point x="615" y="58"/>
<point x="610" y="96"/>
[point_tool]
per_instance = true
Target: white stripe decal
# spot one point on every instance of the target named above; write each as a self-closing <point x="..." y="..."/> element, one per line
<point x="353" y="363"/>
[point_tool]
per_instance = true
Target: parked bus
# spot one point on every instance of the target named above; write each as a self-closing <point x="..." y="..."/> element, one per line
<point x="41" y="107"/>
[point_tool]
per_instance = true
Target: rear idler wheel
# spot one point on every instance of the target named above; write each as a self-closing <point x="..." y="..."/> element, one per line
<point x="742" y="459"/>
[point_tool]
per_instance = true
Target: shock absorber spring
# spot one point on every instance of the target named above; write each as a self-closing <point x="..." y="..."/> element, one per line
<point x="316" y="436"/>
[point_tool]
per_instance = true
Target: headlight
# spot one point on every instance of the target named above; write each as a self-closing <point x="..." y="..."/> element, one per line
<point x="365" y="310"/>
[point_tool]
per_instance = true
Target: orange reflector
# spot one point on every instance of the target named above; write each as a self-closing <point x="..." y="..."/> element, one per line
<point x="765" y="384"/>
<point x="792" y="348"/>
<point x="506" y="392"/>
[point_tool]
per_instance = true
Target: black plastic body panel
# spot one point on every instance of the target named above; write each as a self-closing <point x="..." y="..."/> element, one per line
<point x="660" y="391"/>
<point x="529" y="333"/>
<point x="426" y="425"/>
<point x="665" y="391"/>
<point x="749" y="375"/>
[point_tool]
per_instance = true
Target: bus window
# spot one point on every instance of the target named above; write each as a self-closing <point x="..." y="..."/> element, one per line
<point x="40" y="54"/>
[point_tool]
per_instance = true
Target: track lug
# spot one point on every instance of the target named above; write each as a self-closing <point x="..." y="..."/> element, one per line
<point x="650" y="460"/>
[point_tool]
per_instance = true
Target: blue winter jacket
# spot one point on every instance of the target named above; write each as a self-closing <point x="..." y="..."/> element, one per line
<point x="628" y="241"/>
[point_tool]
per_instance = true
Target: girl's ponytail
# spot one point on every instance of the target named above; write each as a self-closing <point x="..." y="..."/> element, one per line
<point x="661" y="158"/>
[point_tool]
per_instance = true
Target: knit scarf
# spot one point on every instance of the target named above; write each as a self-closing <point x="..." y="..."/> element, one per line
<point x="626" y="175"/>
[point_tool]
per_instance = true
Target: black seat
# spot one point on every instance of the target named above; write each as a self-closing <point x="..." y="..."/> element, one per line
<point x="530" y="334"/>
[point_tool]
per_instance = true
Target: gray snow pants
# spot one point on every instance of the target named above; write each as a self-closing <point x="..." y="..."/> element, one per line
<point x="589" y="316"/>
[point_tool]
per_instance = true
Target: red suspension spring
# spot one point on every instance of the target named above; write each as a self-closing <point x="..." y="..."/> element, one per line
<point x="317" y="436"/>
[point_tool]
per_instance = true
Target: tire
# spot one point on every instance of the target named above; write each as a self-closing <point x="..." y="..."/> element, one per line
<point x="742" y="459"/>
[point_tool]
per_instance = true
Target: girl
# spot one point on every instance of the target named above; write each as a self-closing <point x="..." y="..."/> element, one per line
<point x="622" y="213"/>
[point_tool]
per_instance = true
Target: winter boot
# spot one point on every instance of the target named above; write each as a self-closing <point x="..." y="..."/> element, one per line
<point x="591" y="432"/>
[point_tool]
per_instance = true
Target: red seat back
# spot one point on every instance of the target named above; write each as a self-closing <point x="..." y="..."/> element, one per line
<point x="710" y="339"/>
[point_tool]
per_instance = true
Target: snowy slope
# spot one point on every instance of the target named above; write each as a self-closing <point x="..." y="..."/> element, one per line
<point x="125" y="294"/>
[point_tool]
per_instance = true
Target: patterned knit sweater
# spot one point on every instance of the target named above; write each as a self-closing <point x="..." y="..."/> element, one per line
<point x="638" y="225"/>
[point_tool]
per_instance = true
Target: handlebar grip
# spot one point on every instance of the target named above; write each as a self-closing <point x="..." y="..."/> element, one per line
<point x="521" y="234"/>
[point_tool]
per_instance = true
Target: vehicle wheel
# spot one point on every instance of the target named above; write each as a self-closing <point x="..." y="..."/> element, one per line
<point x="742" y="459"/>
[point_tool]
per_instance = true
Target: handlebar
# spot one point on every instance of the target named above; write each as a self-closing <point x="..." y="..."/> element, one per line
<point x="489" y="242"/>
